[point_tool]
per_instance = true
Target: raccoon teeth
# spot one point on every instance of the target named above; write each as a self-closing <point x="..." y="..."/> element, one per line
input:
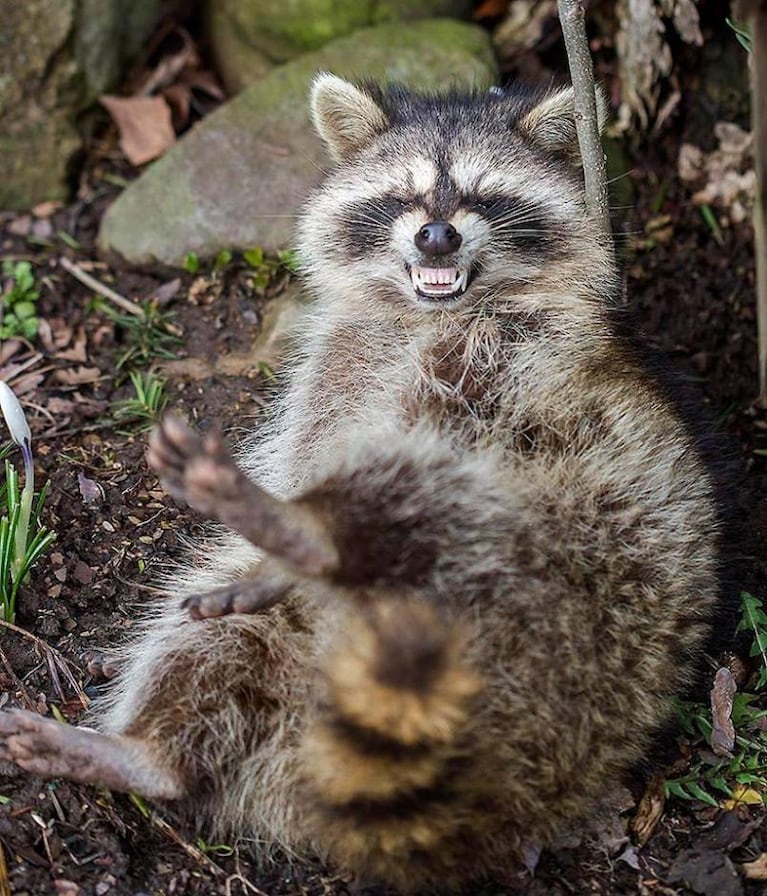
<point x="439" y="281"/>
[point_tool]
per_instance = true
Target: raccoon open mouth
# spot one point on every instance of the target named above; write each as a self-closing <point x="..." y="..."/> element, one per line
<point x="439" y="283"/>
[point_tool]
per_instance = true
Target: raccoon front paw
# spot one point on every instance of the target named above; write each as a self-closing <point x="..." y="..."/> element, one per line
<point x="202" y="472"/>
<point x="269" y="585"/>
<point x="199" y="471"/>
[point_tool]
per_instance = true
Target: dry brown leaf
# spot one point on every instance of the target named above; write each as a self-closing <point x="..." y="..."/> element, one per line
<point x="77" y="351"/>
<point x="650" y="809"/>
<point x="723" y="731"/>
<point x="8" y="349"/>
<point x="60" y="407"/>
<point x="144" y="123"/>
<point x="490" y="9"/>
<point x="21" y="226"/>
<point x="75" y="376"/>
<point x="46" y="209"/>
<point x="163" y="294"/>
<point x="54" y="334"/>
<point x="756" y="870"/>
<point x="27" y="383"/>
<point x="90" y="491"/>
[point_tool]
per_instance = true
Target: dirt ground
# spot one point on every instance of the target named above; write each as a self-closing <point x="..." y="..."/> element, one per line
<point x="693" y="294"/>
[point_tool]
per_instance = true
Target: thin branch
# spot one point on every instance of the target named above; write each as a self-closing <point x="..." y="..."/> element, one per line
<point x="758" y="23"/>
<point x="92" y="283"/>
<point x="573" y="20"/>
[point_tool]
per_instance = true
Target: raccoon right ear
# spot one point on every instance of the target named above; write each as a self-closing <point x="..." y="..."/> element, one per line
<point x="551" y="124"/>
<point x="345" y="116"/>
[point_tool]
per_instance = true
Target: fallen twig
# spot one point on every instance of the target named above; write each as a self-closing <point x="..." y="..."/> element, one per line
<point x="51" y="655"/>
<point x="92" y="283"/>
<point x="5" y="885"/>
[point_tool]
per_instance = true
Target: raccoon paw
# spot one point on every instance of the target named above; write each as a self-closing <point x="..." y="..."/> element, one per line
<point x="53" y="749"/>
<point x="202" y="472"/>
<point x="199" y="471"/>
<point x="269" y="585"/>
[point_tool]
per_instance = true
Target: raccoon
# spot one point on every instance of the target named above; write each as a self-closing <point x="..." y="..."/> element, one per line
<point x="472" y="558"/>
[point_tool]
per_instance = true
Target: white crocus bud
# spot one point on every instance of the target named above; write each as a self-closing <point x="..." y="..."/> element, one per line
<point x="14" y="417"/>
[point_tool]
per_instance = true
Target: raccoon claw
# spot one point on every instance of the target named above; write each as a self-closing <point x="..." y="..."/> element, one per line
<point x="267" y="588"/>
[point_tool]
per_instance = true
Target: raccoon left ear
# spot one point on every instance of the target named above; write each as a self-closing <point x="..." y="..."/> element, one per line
<point x="551" y="124"/>
<point x="345" y="116"/>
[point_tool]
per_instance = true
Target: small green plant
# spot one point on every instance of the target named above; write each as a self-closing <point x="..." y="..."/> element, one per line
<point x="712" y="779"/>
<point x="753" y="619"/>
<point x="148" y="336"/>
<point x="19" y="312"/>
<point x="22" y="539"/>
<point x="742" y="34"/>
<point x="192" y="263"/>
<point x="265" y="268"/>
<point x="147" y="405"/>
<point x="223" y="258"/>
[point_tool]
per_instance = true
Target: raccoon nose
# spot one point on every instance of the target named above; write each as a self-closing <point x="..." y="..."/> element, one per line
<point x="438" y="238"/>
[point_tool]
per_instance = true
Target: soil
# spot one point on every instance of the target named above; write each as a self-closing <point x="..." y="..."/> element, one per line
<point x="693" y="295"/>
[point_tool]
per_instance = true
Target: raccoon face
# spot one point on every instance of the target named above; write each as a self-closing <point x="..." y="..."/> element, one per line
<point x="438" y="201"/>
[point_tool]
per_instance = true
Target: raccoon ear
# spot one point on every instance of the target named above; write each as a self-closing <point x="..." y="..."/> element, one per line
<point x="551" y="124"/>
<point x="345" y="116"/>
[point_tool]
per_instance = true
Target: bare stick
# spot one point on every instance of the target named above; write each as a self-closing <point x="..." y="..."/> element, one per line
<point x="755" y="13"/>
<point x="92" y="283"/>
<point x="573" y="20"/>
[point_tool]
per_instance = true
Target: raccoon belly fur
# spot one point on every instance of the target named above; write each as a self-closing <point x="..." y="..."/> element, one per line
<point x="530" y="534"/>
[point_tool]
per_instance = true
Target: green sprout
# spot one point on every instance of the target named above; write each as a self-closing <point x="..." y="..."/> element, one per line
<point x="742" y="35"/>
<point x="19" y="549"/>
<point x="148" y="336"/>
<point x="19" y="313"/>
<point x="192" y="263"/>
<point x="147" y="405"/>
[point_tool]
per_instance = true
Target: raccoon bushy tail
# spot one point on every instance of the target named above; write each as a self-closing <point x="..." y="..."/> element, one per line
<point x="392" y="772"/>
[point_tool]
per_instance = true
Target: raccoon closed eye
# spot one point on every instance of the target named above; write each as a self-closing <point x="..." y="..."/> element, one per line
<point x="365" y="226"/>
<point x="525" y="223"/>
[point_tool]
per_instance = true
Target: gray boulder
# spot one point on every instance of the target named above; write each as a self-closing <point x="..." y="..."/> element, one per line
<point x="237" y="180"/>
<point x="249" y="36"/>
<point x="56" y="56"/>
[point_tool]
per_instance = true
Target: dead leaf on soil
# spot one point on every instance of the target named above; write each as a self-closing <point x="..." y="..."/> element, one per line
<point x="90" y="490"/>
<point x="46" y="209"/>
<point x="723" y="731"/>
<point x="75" y="376"/>
<point x="21" y="226"/>
<point x="650" y="809"/>
<point x="742" y="795"/>
<point x="8" y="349"/>
<point x="144" y="123"/>
<point x="707" y="873"/>
<point x="166" y="292"/>
<point x="27" y="383"/>
<point x="756" y="870"/>
<point x="77" y="351"/>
